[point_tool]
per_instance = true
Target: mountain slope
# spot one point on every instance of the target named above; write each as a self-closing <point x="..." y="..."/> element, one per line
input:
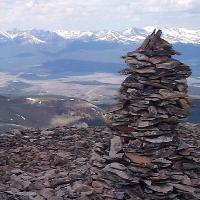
<point x="46" y="112"/>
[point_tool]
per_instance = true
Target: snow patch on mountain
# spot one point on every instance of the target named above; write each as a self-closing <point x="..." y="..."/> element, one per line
<point x="26" y="38"/>
<point x="5" y="34"/>
<point x="74" y="34"/>
<point x="182" y="35"/>
<point x="39" y="37"/>
<point x="173" y="35"/>
<point x="22" y="37"/>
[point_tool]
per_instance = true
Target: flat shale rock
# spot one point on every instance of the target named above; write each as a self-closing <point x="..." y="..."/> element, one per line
<point x="85" y="164"/>
<point x="148" y="171"/>
<point x="51" y="164"/>
<point x="157" y="159"/>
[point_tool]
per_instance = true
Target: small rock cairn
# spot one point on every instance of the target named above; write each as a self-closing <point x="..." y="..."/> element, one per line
<point x="150" y="157"/>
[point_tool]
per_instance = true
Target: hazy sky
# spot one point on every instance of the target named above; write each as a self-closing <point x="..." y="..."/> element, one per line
<point x="98" y="14"/>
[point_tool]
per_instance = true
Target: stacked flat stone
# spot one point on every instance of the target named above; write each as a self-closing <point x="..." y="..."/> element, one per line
<point x="151" y="156"/>
<point x="153" y="98"/>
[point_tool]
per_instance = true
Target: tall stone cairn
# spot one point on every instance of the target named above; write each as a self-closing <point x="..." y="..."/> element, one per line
<point x="153" y="98"/>
<point x="150" y="156"/>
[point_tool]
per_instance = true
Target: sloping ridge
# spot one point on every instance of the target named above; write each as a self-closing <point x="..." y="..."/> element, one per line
<point x="46" y="112"/>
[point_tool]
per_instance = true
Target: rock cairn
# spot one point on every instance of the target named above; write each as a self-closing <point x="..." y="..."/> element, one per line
<point x="150" y="156"/>
<point x="153" y="98"/>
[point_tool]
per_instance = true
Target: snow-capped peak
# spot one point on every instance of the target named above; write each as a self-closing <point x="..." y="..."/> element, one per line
<point x="27" y="38"/>
<point x="174" y="35"/>
<point x="74" y="34"/>
<point x="135" y="35"/>
<point x="38" y="37"/>
<point x="5" y="34"/>
<point x="107" y="35"/>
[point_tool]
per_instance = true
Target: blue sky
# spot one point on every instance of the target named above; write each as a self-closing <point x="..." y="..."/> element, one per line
<point x="98" y="14"/>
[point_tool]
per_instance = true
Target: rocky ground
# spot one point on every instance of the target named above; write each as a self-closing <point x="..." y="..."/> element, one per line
<point x="51" y="164"/>
<point x="60" y="163"/>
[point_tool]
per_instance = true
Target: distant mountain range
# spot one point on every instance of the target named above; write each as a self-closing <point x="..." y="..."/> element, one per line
<point x="44" y="62"/>
<point x="80" y="64"/>
<point x="42" y="37"/>
<point x="33" y="51"/>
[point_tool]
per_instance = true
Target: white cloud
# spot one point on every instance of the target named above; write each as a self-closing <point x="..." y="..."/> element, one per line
<point x="91" y="14"/>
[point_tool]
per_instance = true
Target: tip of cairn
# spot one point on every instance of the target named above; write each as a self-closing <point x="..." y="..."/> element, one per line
<point x="154" y="45"/>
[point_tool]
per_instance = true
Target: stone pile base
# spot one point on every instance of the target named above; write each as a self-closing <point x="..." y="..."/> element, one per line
<point x="96" y="164"/>
<point x="173" y="172"/>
